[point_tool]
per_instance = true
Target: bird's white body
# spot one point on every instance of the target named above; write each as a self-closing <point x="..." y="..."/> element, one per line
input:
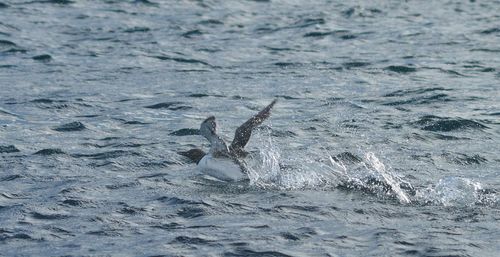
<point x="221" y="168"/>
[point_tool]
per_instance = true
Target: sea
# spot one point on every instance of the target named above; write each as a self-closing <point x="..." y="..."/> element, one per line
<point x="384" y="141"/>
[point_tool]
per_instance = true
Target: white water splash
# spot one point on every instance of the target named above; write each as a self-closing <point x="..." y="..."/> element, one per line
<point x="372" y="170"/>
<point x="455" y="191"/>
<point x="270" y="170"/>
<point x="389" y="178"/>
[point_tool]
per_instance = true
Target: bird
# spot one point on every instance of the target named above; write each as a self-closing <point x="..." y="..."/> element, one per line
<point x="223" y="161"/>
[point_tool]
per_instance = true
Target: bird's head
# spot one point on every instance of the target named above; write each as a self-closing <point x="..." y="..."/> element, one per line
<point x="208" y="127"/>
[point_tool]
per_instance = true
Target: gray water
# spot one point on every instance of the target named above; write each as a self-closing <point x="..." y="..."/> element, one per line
<point x="384" y="141"/>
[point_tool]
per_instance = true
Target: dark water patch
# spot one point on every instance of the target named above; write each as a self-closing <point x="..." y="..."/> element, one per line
<point x="415" y="91"/>
<point x="283" y="133"/>
<point x="203" y="226"/>
<point x="12" y="196"/>
<point x="245" y="252"/>
<point x="351" y="65"/>
<point x="135" y="122"/>
<point x="306" y="208"/>
<point x="198" y="95"/>
<point x="391" y="125"/>
<point x="192" y="33"/>
<point x="169" y="226"/>
<point x="448" y="137"/>
<point x="438" y="98"/>
<point x="190" y="212"/>
<point x="108" y="233"/>
<point x="279" y="49"/>
<point x="318" y="34"/>
<point x="173" y="106"/>
<point x="70" y="127"/>
<point x="6" y="43"/>
<point x="347" y="37"/>
<point x="400" y="69"/>
<point x="8" y="149"/>
<point x="191" y="70"/>
<point x="488" y="69"/>
<point x="127" y="100"/>
<point x="490" y="31"/>
<point x="201" y="95"/>
<point x="59" y="230"/>
<point x="52" y="104"/>
<point x="211" y="22"/>
<point x="109" y="138"/>
<point x="11" y="177"/>
<point x="155" y="175"/>
<point x="130" y="210"/>
<point x="180" y="201"/>
<point x="182" y="60"/>
<point x="342" y="34"/>
<point x="347" y="157"/>
<point x="464" y="159"/>
<point x="106" y="155"/>
<point x="3" y="5"/>
<point x="288" y="64"/>
<point x="42" y="58"/>
<point x="96" y="145"/>
<point x="192" y="240"/>
<point x="287" y="97"/>
<point x="146" y="3"/>
<point x="156" y="164"/>
<point x="10" y="47"/>
<point x="123" y="185"/>
<point x="76" y="202"/>
<point x="59" y="2"/>
<point x="46" y="101"/>
<point x="418" y="137"/>
<point x="487" y="50"/>
<point x="137" y="29"/>
<point x="131" y="144"/>
<point x="300" y="234"/>
<point x="308" y="22"/>
<point x="290" y="236"/>
<point x="434" y="123"/>
<point x="17" y="236"/>
<point x="445" y="71"/>
<point x="312" y="128"/>
<point x="46" y="216"/>
<point x="49" y="151"/>
<point x="185" y="132"/>
<point x="405" y="243"/>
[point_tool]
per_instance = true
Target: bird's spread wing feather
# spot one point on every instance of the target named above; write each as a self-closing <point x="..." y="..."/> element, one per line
<point x="243" y="133"/>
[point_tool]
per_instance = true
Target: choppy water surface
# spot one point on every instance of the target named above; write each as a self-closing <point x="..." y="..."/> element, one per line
<point x="385" y="139"/>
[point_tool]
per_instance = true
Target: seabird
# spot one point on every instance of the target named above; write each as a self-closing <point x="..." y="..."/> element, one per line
<point x="222" y="161"/>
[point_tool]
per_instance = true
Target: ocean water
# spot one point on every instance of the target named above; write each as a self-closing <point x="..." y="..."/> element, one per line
<point x="384" y="141"/>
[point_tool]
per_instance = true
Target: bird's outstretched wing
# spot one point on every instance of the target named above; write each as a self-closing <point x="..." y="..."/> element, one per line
<point x="243" y="133"/>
